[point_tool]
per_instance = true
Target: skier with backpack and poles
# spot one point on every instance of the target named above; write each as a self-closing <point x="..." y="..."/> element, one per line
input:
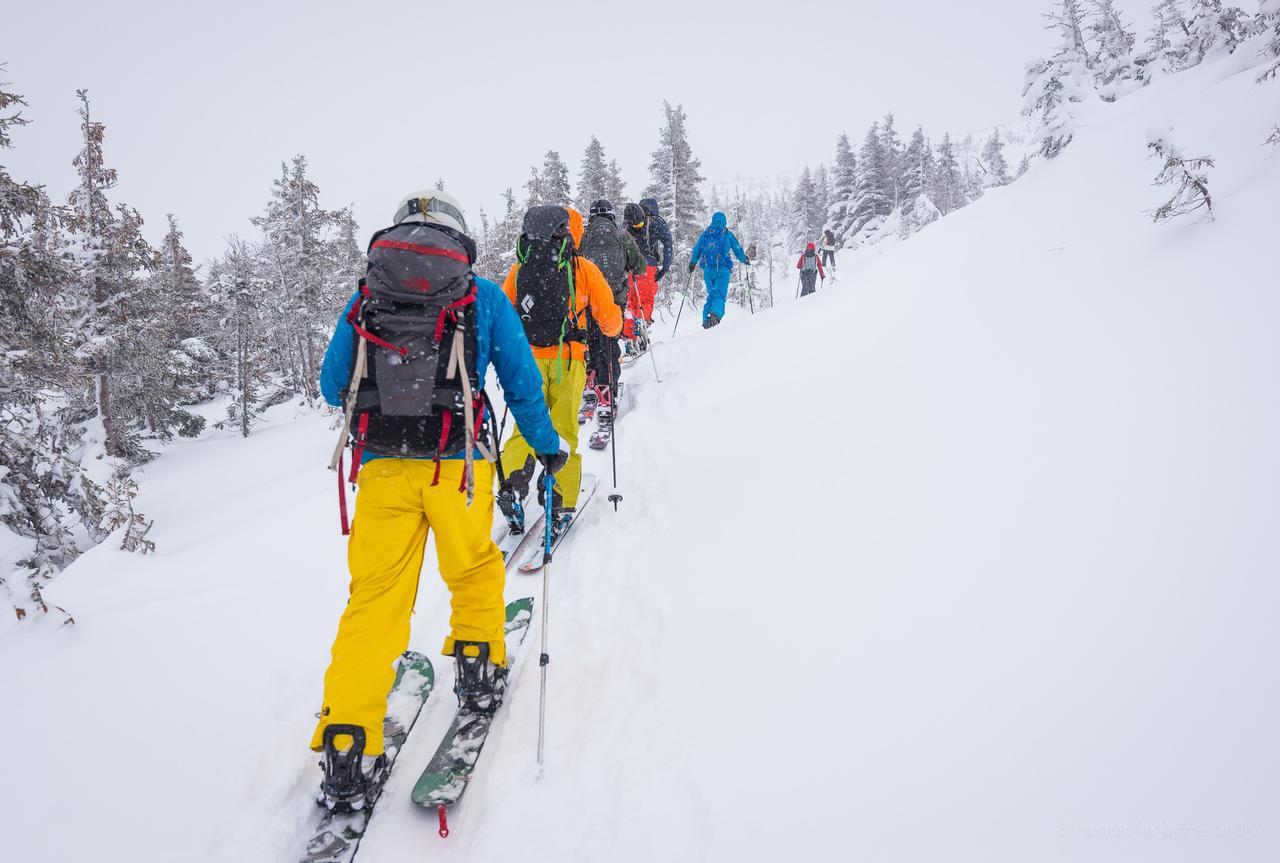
<point x="616" y="254"/>
<point x="810" y="267"/>
<point x="408" y="361"/>
<point x="715" y="250"/>
<point x="555" y="291"/>
<point x="653" y="237"/>
<point x="828" y="248"/>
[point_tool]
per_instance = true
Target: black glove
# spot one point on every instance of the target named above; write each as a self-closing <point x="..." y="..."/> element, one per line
<point x="692" y="266"/>
<point x="553" y="462"/>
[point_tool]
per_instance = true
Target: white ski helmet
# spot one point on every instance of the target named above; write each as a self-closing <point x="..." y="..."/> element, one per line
<point x="434" y="207"/>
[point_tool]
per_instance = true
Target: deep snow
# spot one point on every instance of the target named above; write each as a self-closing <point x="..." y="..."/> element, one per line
<point x="970" y="556"/>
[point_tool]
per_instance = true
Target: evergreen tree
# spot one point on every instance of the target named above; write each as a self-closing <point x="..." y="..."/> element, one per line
<point x="1189" y="177"/>
<point x="1167" y="46"/>
<point x="869" y="198"/>
<point x="1269" y="22"/>
<point x="843" y="185"/>
<point x="294" y="257"/>
<point x="993" y="160"/>
<point x="822" y="199"/>
<point x="806" y="222"/>
<point x="240" y="299"/>
<point x="555" y="180"/>
<point x="110" y="256"/>
<point x="1052" y="85"/>
<point x="535" y="191"/>
<point x="948" y="188"/>
<point x="674" y="180"/>
<point x="1113" y="61"/>
<point x="615" y="188"/>
<point x="1214" y="29"/>
<point x="917" y="167"/>
<point x="593" y="180"/>
<point x="40" y="479"/>
<point x="891" y="147"/>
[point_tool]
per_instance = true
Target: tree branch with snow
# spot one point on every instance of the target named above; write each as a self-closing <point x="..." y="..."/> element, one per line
<point x="1187" y="175"/>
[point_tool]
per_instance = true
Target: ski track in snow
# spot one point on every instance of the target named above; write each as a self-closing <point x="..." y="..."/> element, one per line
<point x="959" y="559"/>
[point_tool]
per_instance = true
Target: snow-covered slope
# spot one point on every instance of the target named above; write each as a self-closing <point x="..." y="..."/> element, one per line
<point x="971" y="556"/>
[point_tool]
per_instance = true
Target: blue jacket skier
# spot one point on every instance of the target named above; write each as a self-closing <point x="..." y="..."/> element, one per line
<point x="715" y="250"/>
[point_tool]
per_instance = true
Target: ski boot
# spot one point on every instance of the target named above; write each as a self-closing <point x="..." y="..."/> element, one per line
<point x="561" y="518"/>
<point x="711" y="321"/>
<point x="588" y="409"/>
<point x="604" y="430"/>
<point x="352" y="780"/>
<point x="478" y="683"/>
<point x="512" y="508"/>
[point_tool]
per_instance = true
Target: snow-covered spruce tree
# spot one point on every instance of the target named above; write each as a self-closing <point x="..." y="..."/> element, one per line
<point x="1188" y="177"/>
<point x="110" y="255"/>
<point x="170" y="355"/>
<point x="844" y="180"/>
<point x="869" y="199"/>
<point x="555" y="180"/>
<point x="917" y="167"/>
<point x="1054" y="84"/>
<point x="237" y="297"/>
<point x="120" y="515"/>
<point x="994" y="162"/>
<point x="892" y="148"/>
<point x="947" y="193"/>
<point x="1268" y="21"/>
<point x="1167" y="44"/>
<point x="294" y="228"/>
<point x="615" y="188"/>
<point x="593" y="179"/>
<point x="535" y="194"/>
<point x="499" y="248"/>
<point x="822" y="195"/>
<point x="1112" y="43"/>
<point x="804" y="208"/>
<point x="675" y="181"/>
<point x="1274" y="139"/>
<point x="39" y="478"/>
<point x="1214" y="29"/>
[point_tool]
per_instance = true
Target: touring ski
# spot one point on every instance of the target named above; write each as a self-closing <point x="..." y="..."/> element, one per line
<point x="533" y="561"/>
<point x="446" y="776"/>
<point x="338" y="834"/>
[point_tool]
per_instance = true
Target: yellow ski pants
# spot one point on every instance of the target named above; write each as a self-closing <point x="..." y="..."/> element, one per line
<point x="562" y="384"/>
<point x="395" y="508"/>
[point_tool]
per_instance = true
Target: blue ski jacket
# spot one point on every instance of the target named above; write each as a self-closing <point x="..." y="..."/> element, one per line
<point x="715" y="245"/>
<point x="500" y="340"/>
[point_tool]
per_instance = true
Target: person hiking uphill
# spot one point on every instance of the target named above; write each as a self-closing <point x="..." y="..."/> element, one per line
<point x="653" y="237"/>
<point x="615" y="253"/>
<point x="715" y="250"/>
<point x="420" y="457"/>
<point x="828" y="248"/>
<point x="810" y="267"/>
<point x="554" y="290"/>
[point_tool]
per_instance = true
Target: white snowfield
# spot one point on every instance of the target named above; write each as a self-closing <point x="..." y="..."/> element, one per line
<point x="971" y="556"/>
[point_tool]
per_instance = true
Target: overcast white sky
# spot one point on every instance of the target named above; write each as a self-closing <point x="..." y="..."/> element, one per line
<point x="202" y="101"/>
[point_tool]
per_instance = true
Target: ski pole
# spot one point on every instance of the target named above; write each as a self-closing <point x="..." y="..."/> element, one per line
<point x="750" y="303"/>
<point x="614" y="498"/>
<point x="651" y="355"/>
<point x="543" y="658"/>
<point x="678" y="313"/>
<point x="799" y="282"/>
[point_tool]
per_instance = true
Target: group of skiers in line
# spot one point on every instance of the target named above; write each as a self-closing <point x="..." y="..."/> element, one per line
<point x="408" y="361"/>
<point x="812" y="266"/>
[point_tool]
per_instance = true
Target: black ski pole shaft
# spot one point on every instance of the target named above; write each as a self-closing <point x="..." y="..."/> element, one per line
<point x="614" y="498"/>
<point x="544" y="659"/>
<point x="799" y="283"/>
<point x="750" y="302"/>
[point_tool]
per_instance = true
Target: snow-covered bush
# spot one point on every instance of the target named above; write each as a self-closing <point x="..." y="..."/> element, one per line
<point x="1187" y="175"/>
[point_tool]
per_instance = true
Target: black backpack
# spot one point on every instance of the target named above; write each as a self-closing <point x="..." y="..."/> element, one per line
<point x="602" y="246"/>
<point x="546" y="288"/>
<point x="420" y="396"/>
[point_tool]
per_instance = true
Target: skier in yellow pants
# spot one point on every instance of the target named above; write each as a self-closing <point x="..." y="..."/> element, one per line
<point x="555" y="290"/>
<point x="415" y="476"/>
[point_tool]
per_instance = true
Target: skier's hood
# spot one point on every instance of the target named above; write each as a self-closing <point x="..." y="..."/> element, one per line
<point x="809" y="248"/>
<point x="575" y="225"/>
<point x="650" y="205"/>
<point x="718" y="223"/>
